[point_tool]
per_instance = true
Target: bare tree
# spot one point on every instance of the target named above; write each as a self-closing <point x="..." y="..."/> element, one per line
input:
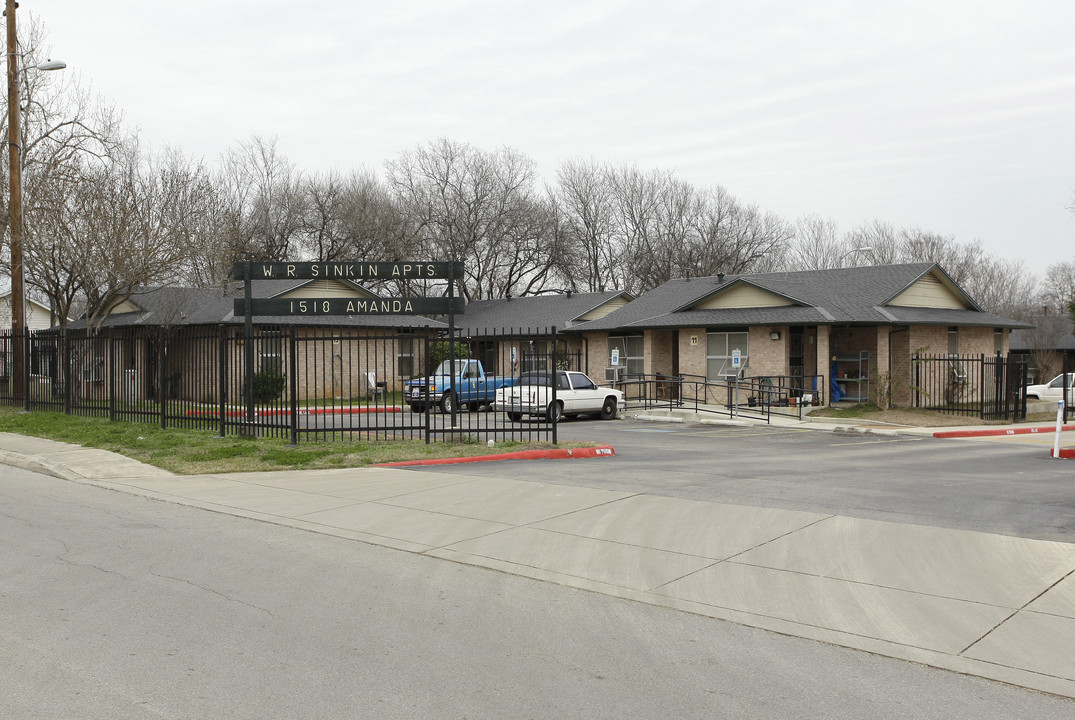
<point x="481" y="208"/>
<point x="123" y="224"/>
<point x="817" y="244"/>
<point x="1059" y="286"/>
<point x="65" y="127"/>
<point x="352" y="217"/>
<point x="637" y="198"/>
<point x="263" y="192"/>
<point x="583" y="199"/>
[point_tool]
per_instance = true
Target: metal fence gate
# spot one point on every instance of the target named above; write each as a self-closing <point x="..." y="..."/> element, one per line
<point x="983" y="386"/>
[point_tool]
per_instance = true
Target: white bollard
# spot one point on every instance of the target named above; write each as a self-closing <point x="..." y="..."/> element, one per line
<point x="1059" y="428"/>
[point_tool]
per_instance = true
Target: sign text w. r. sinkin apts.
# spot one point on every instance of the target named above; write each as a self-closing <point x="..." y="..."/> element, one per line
<point x="348" y="270"/>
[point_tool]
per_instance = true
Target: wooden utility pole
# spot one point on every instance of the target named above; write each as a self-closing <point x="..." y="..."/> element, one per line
<point x="14" y="142"/>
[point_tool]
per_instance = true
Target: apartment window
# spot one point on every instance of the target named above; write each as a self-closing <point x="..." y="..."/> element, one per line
<point x="405" y="356"/>
<point x="998" y="340"/>
<point x="632" y="350"/>
<point x="271" y="344"/>
<point x="953" y="340"/>
<point x="535" y="355"/>
<point x="719" y="347"/>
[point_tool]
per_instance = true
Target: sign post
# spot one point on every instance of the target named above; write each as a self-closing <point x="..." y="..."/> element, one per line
<point x="737" y="362"/>
<point x="1059" y="428"/>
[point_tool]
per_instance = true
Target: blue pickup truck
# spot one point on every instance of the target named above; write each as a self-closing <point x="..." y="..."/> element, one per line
<point x="473" y="388"/>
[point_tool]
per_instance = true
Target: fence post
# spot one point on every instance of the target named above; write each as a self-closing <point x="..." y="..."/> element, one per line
<point x="552" y="374"/>
<point x="26" y="368"/>
<point x="162" y="380"/>
<point x="981" y="388"/>
<point x="292" y="358"/>
<point x="428" y="396"/>
<point x="65" y="343"/>
<point x="110" y="386"/>
<point x="222" y="379"/>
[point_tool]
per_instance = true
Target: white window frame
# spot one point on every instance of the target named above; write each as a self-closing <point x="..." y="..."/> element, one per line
<point x="718" y="347"/>
<point x="635" y="365"/>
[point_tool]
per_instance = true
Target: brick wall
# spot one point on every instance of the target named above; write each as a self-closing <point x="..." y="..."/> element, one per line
<point x="692" y="351"/>
<point x="660" y="351"/>
<point x="768" y="357"/>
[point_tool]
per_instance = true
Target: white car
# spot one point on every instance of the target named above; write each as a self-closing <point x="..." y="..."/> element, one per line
<point x="576" y="394"/>
<point x="1050" y="390"/>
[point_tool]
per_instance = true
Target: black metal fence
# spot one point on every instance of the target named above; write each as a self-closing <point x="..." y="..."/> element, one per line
<point x="305" y="383"/>
<point x="991" y="387"/>
<point x="751" y="397"/>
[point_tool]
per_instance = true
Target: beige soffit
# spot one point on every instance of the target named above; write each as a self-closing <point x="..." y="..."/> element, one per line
<point x="931" y="291"/>
<point x="742" y="295"/>
<point x="605" y="308"/>
<point x="326" y="289"/>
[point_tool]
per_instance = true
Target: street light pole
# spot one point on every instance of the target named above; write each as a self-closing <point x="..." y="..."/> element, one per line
<point x="14" y="147"/>
<point x="14" y="210"/>
<point x="854" y="251"/>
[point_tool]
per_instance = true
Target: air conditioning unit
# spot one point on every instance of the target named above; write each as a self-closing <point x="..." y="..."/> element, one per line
<point x="615" y="373"/>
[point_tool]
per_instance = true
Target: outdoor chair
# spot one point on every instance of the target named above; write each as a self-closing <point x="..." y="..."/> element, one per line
<point x="375" y="388"/>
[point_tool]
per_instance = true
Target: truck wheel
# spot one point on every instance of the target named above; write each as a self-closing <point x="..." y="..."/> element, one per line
<point x="555" y="412"/>
<point x="515" y="417"/>
<point x="447" y="402"/>
<point x="608" y="410"/>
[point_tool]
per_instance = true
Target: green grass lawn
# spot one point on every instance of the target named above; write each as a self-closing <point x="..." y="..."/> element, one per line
<point x="193" y="452"/>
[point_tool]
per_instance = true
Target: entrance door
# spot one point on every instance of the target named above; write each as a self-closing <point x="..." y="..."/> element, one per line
<point x="796" y="357"/>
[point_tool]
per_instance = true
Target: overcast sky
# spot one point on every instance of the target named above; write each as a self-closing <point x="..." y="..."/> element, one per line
<point x="955" y="116"/>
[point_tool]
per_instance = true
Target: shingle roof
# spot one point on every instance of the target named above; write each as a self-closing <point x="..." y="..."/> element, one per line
<point x="1026" y="340"/>
<point x="821" y="297"/>
<point x="533" y="311"/>
<point x="214" y="306"/>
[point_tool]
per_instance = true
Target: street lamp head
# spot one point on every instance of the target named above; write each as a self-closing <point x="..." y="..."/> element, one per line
<point x="51" y="65"/>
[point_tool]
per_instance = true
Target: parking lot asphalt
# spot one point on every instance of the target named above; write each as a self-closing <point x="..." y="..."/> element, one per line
<point x="993" y="605"/>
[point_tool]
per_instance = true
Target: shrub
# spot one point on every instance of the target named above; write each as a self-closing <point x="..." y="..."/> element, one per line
<point x="268" y="384"/>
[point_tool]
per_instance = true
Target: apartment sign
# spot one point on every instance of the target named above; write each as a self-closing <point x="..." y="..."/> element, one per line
<point x="349" y="306"/>
<point x="348" y="270"/>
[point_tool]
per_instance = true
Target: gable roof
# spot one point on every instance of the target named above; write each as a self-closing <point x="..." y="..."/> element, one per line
<point x="176" y="306"/>
<point x="537" y="311"/>
<point x="840" y="296"/>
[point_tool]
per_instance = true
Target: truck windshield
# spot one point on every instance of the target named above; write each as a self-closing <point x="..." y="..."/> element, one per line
<point x="445" y="368"/>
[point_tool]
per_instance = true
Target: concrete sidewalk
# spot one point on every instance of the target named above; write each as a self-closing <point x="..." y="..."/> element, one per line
<point x="994" y="606"/>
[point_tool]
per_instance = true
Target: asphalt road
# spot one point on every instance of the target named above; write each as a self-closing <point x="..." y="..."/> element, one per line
<point x="115" y="606"/>
<point x="998" y="487"/>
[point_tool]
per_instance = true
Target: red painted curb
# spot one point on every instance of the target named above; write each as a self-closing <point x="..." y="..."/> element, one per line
<point x="309" y="411"/>
<point x="1065" y="453"/>
<point x="994" y="432"/>
<point x="572" y="453"/>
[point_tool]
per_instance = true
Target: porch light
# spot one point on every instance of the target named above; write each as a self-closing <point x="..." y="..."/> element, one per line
<point x="774" y="335"/>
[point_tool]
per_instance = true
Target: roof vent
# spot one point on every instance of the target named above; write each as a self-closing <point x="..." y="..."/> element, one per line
<point x="720" y="278"/>
<point x="569" y="292"/>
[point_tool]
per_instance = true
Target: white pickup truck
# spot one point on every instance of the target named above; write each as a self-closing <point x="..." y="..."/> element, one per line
<point x="576" y="394"/>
